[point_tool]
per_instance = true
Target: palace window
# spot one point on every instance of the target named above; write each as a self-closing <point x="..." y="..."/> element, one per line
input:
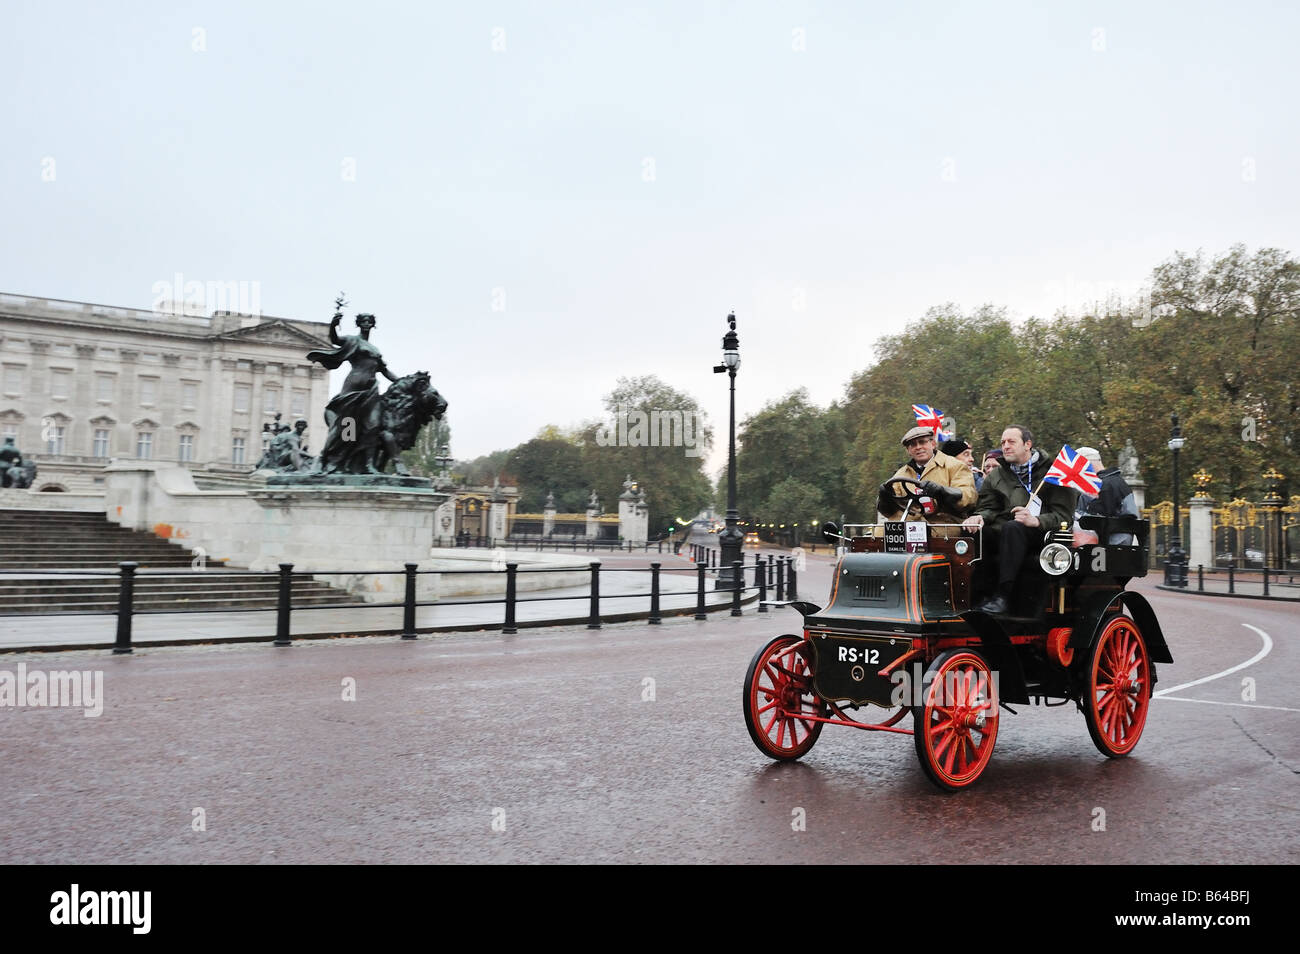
<point x="148" y="390"/>
<point x="60" y="382"/>
<point x="100" y="447"/>
<point x="144" y="445"/>
<point x="103" y="387"/>
<point x="299" y="408"/>
<point x="243" y="392"/>
<point x="14" y="378"/>
<point x="187" y="447"/>
<point x="271" y="400"/>
<point x="237" y="451"/>
<point x="189" y="394"/>
<point x="54" y="439"/>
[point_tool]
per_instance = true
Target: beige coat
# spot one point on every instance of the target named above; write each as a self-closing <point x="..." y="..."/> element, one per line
<point x="950" y="472"/>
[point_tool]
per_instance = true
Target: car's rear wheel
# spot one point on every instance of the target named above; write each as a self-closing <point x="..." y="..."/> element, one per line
<point x="956" y="726"/>
<point x="1118" y="691"/>
<point x="779" y="699"/>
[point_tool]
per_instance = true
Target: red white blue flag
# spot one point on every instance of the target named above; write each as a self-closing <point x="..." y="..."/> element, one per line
<point x="1073" y="470"/>
<point x="927" y="416"/>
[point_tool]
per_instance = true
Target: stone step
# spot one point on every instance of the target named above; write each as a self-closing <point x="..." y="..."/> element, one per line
<point x="91" y="546"/>
<point x="18" y="592"/>
<point x="193" y="605"/>
<point x="144" y="560"/>
<point x="13" y="551"/>
<point x="47" y="541"/>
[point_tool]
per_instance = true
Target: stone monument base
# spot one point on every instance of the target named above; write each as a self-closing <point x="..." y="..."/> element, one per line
<point x="350" y="529"/>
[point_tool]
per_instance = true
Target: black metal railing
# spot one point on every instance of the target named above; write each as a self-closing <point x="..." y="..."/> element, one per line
<point x="1269" y="576"/>
<point x="128" y="574"/>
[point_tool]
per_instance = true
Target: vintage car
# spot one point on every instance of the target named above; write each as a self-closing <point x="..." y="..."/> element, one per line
<point x="898" y="636"/>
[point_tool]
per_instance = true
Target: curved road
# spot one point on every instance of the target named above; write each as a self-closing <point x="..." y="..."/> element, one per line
<point x="627" y="745"/>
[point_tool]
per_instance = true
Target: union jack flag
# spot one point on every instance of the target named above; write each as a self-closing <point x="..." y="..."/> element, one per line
<point x="1071" y="469"/>
<point x="927" y="416"/>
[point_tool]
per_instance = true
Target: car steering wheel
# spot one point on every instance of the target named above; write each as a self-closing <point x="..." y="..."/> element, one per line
<point x="908" y="497"/>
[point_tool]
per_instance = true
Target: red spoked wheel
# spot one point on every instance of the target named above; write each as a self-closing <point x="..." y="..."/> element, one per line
<point x="957" y="726"/>
<point x="1119" y="688"/>
<point x="779" y="696"/>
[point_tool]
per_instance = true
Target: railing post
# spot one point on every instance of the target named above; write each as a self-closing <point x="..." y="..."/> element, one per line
<point x="780" y="579"/>
<point x="699" y="593"/>
<point x="738" y="577"/>
<point x="408" y="604"/>
<point x="1200" y="577"/>
<point x="509" y="626"/>
<point x="282" y="606"/>
<point x="594" y="621"/>
<point x="792" y="587"/>
<point x="1231" y="586"/>
<point x="760" y="580"/>
<point x="1266" y="581"/>
<point x="655" y="619"/>
<point x="125" y="597"/>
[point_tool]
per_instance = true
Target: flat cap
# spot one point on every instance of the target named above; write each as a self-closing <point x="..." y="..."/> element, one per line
<point x="916" y="432"/>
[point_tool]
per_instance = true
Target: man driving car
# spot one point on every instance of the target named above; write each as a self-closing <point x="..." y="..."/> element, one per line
<point x="947" y="490"/>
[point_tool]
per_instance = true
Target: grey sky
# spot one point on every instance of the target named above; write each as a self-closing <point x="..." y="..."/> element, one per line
<point x="620" y="176"/>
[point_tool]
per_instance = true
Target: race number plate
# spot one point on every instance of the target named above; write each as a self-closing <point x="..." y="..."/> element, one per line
<point x="847" y="666"/>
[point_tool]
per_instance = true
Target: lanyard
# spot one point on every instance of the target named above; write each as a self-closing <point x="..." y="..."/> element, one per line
<point x="1028" y="482"/>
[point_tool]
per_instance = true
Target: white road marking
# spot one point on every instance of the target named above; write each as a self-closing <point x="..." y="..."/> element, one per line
<point x="1268" y="647"/>
<point x="1216" y="702"/>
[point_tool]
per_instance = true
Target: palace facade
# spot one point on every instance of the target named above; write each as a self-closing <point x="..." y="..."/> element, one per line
<point x="82" y="384"/>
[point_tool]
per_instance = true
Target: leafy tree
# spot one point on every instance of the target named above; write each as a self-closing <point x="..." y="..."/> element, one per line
<point x="797" y="505"/>
<point x="965" y="365"/>
<point x="481" y="471"/>
<point x="549" y="465"/>
<point x="433" y="437"/>
<point x="671" y="474"/>
<point x="789" y="439"/>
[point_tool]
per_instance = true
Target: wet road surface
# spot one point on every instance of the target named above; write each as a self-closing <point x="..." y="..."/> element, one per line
<point x="627" y="744"/>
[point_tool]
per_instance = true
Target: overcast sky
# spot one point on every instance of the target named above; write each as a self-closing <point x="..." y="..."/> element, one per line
<point x="536" y="198"/>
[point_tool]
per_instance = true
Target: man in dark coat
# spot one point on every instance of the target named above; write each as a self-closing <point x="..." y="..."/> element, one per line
<point x="1115" y="500"/>
<point x="1014" y="527"/>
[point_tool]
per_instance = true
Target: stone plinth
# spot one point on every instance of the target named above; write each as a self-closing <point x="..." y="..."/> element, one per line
<point x="1200" y="532"/>
<point x="1139" y="488"/>
<point x="351" y="530"/>
<point x="444" y="523"/>
<point x="497" y="521"/>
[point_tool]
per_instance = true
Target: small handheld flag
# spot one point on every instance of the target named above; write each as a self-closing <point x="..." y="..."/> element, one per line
<point x="1071" y="469"/>
<point x="927" y="416"/>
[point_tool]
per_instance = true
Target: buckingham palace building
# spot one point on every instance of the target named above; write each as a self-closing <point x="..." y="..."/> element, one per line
<point x="82" y="384"/>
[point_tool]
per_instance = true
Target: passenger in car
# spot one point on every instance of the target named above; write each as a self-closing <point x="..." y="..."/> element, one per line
<point x="1013" y="527"/>
<point x="1115" y="500"/>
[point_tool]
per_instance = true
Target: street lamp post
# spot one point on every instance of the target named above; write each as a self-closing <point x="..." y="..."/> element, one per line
<point x="732" y="538"/>
<point x="1176" y="564"/>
